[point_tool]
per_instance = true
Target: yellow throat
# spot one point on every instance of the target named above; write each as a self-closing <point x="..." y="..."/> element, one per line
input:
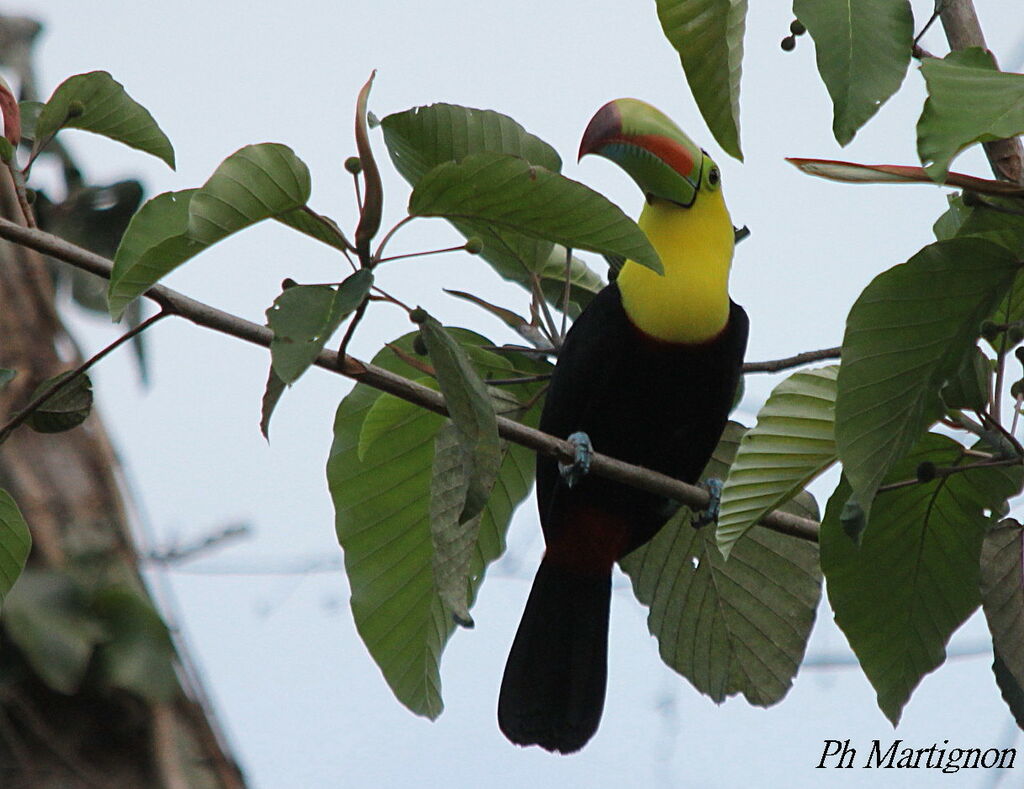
<point x="690" y="303"/>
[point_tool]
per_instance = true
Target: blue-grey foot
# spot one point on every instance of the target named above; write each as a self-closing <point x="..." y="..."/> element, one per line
<point x="709" y="514"/>
<point x="580" y="466"/>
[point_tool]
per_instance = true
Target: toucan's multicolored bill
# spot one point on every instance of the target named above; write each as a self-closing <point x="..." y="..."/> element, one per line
<point x="648" y="145"/>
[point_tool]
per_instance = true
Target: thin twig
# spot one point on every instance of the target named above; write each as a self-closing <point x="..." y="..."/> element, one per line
<point x="383" y="295"/>
<point x="459" y="248"/>
<point x="948" y="471"/>
<point x="224" y="322"/>
<point x="387" y="236"/>
<point x="523" y="379"/>
<point x="351" y="330"/>
<point x="775" y="365"/>
<point x="57" y="386"/>
<point x="538" y="295"/>
<point x="566" y="293"/>
<point x="19" y="189"/>
<point x="931" y="21"/>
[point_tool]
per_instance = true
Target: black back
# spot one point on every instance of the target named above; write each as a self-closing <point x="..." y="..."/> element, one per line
<point x="655" y="404"/>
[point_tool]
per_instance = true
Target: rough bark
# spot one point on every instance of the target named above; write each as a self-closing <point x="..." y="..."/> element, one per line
<point x="67" y="486"/>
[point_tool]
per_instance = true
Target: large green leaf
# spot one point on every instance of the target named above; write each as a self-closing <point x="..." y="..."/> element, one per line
<point x="914" y="579"/>
<point x="996" y="225"/>
<point x="969" y="100"/>
<point x="791" y="445"/>
<point x="907" y="334"/>
<point x="98" y="103"/>
<point x="15" y="543"/>
<point x="1011" y="690"/>
<point x="48" y="617"/>
<point x="314" y="225"/>
<point x="863" y="50"/>
<point x="66" y="408"/>
<point x="304" y="317"/>
<point x="498" y="190"/>
<point x="424" y="137"/>
<point x="155" y="243"/>
<point x="138" y="654"/>
<point x="1002" y="593"/>
<point x="382" y="509"/>
<point x="254" y="183"/>
<point x="470" y="409"/>
<point x="708" y="35"/>
<point x="729" y="627"/>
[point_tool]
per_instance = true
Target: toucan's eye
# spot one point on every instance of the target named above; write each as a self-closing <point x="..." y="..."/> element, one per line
<point x="713" y="177"/>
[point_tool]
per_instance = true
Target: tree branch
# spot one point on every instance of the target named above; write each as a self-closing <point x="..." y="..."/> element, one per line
<point x="960" y="22"/>
<point x="211" y="318"/>
<point x="774" y="365"/>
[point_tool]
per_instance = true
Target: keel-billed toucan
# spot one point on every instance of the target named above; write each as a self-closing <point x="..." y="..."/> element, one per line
<point x="648" y="371"/>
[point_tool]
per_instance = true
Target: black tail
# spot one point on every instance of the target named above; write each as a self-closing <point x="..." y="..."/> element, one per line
<point x="552" y="693"/>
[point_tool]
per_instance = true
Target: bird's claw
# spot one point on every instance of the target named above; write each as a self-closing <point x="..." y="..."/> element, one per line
<point x="580" y="466"/>
<point x="709" y="514"/>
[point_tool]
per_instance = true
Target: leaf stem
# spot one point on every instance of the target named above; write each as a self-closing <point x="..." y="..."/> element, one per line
<point x="56" y="386"/>
<point x="387" y="236"/>
<point x="948" y="471"/>
<point x="351" y="330"/>
<point x="459" y="248"/>
<point x="538" y="295"/>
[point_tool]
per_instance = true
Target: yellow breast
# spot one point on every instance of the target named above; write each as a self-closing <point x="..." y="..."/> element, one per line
<point x="690" y="303"/>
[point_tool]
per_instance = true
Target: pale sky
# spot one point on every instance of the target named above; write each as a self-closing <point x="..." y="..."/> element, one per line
<point x="299" y="696"/>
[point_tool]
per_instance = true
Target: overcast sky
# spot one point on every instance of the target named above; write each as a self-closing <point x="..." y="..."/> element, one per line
<point x="303" y="704"/>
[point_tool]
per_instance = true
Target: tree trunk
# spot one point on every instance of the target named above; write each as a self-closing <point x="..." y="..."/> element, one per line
<point x="67" y="486"/>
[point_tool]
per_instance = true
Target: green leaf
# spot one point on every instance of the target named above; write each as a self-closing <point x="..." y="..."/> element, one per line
<point x="914" y="578"/>
<point x="138" y="655"/>
<point x="906" y="335"/>
<point x="729" y="627"/>
<point x="507" y="192"/>
<point x="6" y="376"/>
<point x="421" y="138"/>
<point x="315" y="225"/>
<point x="29" y="118"/>
<point x="453" y="537"/>
<point x="271" y="395"/>
<point x="386" y="413"/>
<point x="96" y="102"/>
<point x="1002" y="593"/>
<point x="304" y="317"/>
<point x="47" y="616"/>
<point x="863" y="49"/>
<point x="424" y="137"/>
<point x="382" y="508"/>
<point x="254" y="183"/>
<point x="969" y="387"/>
<point x="15" y="543"/>
<point x="992" y="224"/>
<point x="791" y="445"/>
<point x="155" y="243"/>
<point x="1011" y="690"/>
<point x="708" y="35"/>
<point x="969" y="100"/>
<point x="469" y="406"/>
<point x="67" y="408"/>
